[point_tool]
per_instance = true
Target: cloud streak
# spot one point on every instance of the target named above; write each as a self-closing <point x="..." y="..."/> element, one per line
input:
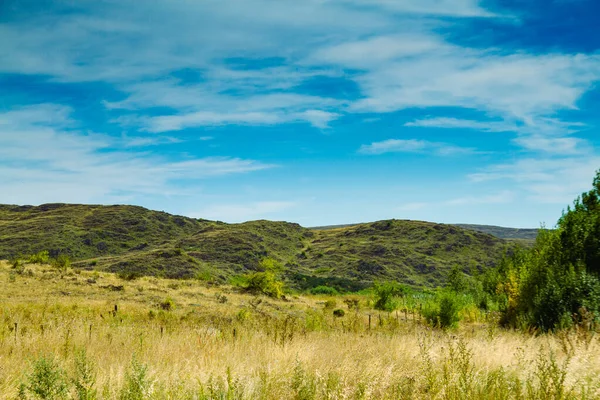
<point x="413" y="146"/>
<point x="40" y="155"/>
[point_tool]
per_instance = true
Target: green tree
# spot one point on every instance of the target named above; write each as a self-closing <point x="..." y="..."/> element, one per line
<point x="265" y="281"/>
<point x="386" y="294"/>
<point x="556" y="283"/>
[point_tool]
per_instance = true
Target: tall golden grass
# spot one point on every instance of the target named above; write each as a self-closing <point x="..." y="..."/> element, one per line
<point x="215" y="343"/>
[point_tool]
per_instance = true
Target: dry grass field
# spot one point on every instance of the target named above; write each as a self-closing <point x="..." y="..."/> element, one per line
<point x="90" y="335"/>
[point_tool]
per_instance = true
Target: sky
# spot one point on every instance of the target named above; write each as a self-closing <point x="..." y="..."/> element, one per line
<point x="318" y="112"/>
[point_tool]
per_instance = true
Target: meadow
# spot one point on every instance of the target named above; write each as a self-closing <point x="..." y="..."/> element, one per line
<point x="91" y="335"/>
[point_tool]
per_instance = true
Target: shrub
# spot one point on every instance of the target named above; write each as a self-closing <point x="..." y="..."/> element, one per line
<point x="330" y="304"/>
<point x="128" y="275"/>
<point x="266" y="281"/>
<point x="47" y="381"/>
<point x="62" y="262"/>
<point x="352" y="303"/>
<point x="85" y="377"/>
<point x="339" y="313"/>
<point x="167" y="304"/>
<point x="221" y="298"/>
<point x="386" y="294"/>
<point x="443" y="310"/>
<point x="137" y="384"/>
<point x="326" y="290"/>
<point x="43" y="257"/>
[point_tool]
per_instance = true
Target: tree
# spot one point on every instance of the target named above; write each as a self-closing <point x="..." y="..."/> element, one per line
<point x="556" y="284"/>
<point x="265" y="281"/>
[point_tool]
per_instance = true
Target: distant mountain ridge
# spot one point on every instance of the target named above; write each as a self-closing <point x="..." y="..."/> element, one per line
<point x="137" y="241"/>
<point x="503" y="232"/>
<point x="498" y="231"/>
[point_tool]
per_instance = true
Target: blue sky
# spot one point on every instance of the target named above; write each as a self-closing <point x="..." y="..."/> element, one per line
<point x="314" y="111"/>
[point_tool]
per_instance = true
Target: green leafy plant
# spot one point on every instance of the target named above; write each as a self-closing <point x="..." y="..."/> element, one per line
<point x="443" y="310"/>
<point x="137" y="385"/>
<point x="84" y="379"/>
<point x="326" y="290"/>
<point x="43" y="257"/>
<point x="47" y="380"/>
<point x="266" y="281"/>
<point x="386" y="294"/>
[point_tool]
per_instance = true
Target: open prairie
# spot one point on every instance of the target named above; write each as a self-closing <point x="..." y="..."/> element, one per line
<point x="82" y="333"/>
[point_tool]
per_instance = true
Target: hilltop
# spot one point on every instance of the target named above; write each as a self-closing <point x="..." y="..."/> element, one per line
<point x="134" y="241"/>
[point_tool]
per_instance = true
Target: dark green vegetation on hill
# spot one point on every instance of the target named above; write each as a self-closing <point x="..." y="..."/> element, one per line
<point x="135" y="241"/>
<point x="527" y="235"/>
<point x="502" y="232"/>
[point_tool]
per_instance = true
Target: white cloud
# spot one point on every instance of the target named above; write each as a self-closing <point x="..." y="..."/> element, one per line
<point x="413" y="146"/>
<point x="244" y="212"/>
<point x="554" y="180"/>
<point x="455" y="123"/>
<point x="559" y="146"/>
<point x="402" y="61"/>
<point x="43" y="161"/>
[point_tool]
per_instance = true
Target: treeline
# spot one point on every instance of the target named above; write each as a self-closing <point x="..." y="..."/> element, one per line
<point x="553" y="285"/>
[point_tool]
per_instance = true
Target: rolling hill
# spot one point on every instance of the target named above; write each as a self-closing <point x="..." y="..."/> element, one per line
<point x="135" y="241"/>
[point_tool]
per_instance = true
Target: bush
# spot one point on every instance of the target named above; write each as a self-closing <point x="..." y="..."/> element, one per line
<point x="62" y="262"/>
<point x="326" y="290"/>
<point x="43" y="257"/>
<point x="555" y="284"/>
<point x="167" y="304"/>
<point x="443" y="310"/>
<point x="85" y="377"/>
<point x="386" y="294"/>
<point x="330" y="304"/>
<point x="47" y="381"/>
<point x="128" y="275"/>
<point x="339" y="313"/>
<point x="137" y="384"/>
<point x="266" y="281"/>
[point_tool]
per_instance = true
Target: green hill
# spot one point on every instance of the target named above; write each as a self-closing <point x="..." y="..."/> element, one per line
<point x="135" y="241"/>
<point x="502" y="232"/>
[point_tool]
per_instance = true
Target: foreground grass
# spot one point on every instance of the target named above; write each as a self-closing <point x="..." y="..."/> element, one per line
<point x="164" y="339"/>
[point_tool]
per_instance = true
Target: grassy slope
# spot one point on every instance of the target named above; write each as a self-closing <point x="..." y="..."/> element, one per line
<point x="140" y="241"/>
<point x="413" y="252"/>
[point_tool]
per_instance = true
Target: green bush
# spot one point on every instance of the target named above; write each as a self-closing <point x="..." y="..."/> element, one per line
<point x="326" y="290"/>
<point x="47" y="380"/>
<point x="265" y="281"/>
<point x="329" y="304"/>
<point x="386" y="294"/>
<point x="555" y="284"/>
<point x="167" y="304"/>
<point x="43" y="257"/>
<point x="339" y="313"/>
<point x="442" y="311"/>
<point x="62" y="262"/>
<point x="85" y="377"/>
<point x="137" y="384"/>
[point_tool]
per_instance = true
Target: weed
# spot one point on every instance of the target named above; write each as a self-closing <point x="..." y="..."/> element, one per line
<point x="137" y="385"/>
<point x="47" y="380"/>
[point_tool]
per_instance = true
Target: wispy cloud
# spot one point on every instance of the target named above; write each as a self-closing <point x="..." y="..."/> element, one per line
<point x="39" y="154"/>
<point x="556" y="180"/>
<point x="413" y="146"/>
<point x="455" y="123"/>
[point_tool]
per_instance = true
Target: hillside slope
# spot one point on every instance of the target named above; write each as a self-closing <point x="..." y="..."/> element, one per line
<point x="502" y="232"/>
<point x="414" y="252"/>
<point x="136" y="241"/>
